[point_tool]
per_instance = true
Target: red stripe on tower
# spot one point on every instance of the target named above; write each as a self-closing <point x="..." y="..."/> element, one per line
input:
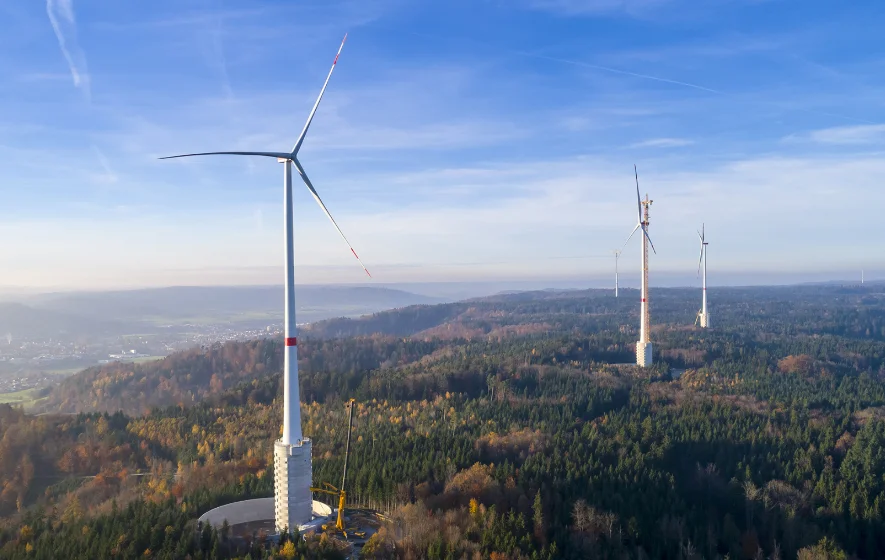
<point x="292" y="341"/>
<point x="643" y="300"/>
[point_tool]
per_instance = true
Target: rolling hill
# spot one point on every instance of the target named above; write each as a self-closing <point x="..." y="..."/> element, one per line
<point x="31" y="322"/>
<point x="123" y="312"/>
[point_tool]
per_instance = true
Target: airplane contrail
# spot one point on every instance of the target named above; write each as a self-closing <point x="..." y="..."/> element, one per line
<point x="678" y="83"/>
<point x="616" y="71"/>
<point x="609" y="69"/>
<point x="61" y="16"/>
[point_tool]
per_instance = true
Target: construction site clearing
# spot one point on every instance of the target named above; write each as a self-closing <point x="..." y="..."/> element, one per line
<point x="253" y="520"/>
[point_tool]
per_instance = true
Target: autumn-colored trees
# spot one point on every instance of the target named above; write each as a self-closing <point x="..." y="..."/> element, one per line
<point x="501" y="439"/>
<point x="802" y="364"/>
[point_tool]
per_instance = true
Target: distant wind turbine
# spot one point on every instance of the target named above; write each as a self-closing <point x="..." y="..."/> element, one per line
<point x="643" y="346"/>
<point x="703" y="317"/>
<point x="292" y="453"/>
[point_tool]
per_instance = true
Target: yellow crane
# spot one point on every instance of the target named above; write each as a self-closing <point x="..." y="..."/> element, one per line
<point x="341" y="493"/>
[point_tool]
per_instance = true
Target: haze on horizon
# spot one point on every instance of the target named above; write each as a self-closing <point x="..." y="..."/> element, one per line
<point x="485" y="148"/>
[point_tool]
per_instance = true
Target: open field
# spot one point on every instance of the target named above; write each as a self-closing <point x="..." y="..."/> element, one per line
<point x="26" y="398"/>
<point x="213" y="319"/>
<point x="144" y="359"/>
<point x="66" y="371"/>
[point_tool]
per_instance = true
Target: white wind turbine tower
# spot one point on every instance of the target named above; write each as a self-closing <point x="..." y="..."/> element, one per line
<point x="703" y="317"/>
<point x="617" y="256"/>
<point x="643" y="346"/>
<point x="293" y="470"/>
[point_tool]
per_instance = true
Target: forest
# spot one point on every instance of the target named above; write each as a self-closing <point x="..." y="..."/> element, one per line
<point x="506" y="427"/>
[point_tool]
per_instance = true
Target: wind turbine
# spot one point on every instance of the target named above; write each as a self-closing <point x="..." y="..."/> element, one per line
<point x="617" y="256"/>
<point x="703" y="318"/>
<point x="644" y="348"/>
<point x="292" y="452"/>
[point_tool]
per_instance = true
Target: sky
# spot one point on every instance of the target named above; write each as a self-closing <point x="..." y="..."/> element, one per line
<point x="459" y="140"/>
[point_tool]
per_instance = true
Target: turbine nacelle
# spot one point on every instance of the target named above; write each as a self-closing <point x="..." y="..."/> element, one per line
<point x="703" y="248"/>
<point x="640" y="223"/>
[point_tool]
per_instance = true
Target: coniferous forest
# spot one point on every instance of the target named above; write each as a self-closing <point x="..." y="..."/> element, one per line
<point x="507" y="427"/>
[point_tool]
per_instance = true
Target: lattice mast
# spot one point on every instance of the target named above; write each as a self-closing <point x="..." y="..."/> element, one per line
<point x="705" y="322"/>
<point x="644" y="312"/>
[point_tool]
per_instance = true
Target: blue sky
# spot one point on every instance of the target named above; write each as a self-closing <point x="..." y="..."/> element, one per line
<point x="458" y="140"/>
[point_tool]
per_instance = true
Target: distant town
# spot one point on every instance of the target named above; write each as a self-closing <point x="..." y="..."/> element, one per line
<point x="34" y="363"/>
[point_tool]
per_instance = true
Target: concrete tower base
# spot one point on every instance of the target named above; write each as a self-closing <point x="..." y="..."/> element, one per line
<point x="293" y="475"/>
<point x="643" y="354"/>
<point x="704" y="320"/>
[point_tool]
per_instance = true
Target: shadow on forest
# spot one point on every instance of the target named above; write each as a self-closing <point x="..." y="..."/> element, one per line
<point x="729" y="515"/>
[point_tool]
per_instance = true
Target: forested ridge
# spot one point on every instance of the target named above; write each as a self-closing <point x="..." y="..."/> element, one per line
<point x="497" y="428"/>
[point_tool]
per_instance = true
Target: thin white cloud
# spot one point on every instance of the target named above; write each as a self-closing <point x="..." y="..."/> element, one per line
<point x="43" y="77"/>
<point x="578" y="206"/>
<point x="61" y="16"/>
<point x="594" y="7"/>
<point x="334" y="133"/>
<point x="552" y="202"/>
<point x="663" y="143"/>
<point x="450" y="135"/>
<point x="109" y="176"/>
<point x="849" y="135"/>
<point x="214" y="48"/>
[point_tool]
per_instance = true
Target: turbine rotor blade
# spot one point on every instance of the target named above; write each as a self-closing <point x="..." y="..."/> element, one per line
<point x="316" y="197"/>
<point x="638" y="198"/>
<point x="645" y="231"/>
<point x="700" y="259"/>
<point x="264" y="154"/>
<point x="317" y="104"/>
<point x="630" y="237"/>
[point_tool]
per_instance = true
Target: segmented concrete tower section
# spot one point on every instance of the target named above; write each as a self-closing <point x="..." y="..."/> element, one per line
<point x="644" y="348"/>
<point x="293" y="469"/>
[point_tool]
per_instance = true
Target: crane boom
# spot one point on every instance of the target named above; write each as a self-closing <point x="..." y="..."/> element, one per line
<point x="342" y="498"/>
<point x="340" y="492"/>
